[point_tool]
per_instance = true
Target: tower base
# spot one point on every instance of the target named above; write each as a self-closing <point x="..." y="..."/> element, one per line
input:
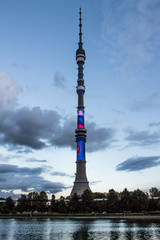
<point x="79" y="188"/>
<point x="81" y="183"/>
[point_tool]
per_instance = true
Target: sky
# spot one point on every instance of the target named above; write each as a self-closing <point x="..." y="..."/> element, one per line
<point x="38" y="100"/>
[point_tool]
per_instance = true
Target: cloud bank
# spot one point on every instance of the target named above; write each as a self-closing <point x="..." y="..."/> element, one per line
<point x="142" y="138"/>
<point x="138" y="163"/>
<point x="23" y="179"/>
<point x="25" y="129"/>
<point x="37" y="129"/>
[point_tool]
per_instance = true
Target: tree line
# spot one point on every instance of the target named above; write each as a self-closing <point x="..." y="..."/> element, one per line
<point x="111" y="202"/>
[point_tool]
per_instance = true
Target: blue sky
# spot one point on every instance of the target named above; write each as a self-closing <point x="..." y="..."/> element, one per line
<point x="38" y="98"/>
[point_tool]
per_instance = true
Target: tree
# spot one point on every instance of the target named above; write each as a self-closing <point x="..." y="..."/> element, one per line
<point x="61" y="205"/>
<point x="10" y="205"/>
<point x="42" y="202"/>
<point x="125" y="202"/>
<point x="33" y="198"/>
<point x="99" y="195"/>
<point x="113" y="201"/>
<point x="74" y="203"/>
<point x="54" y="205"/>
<point x="87" y="201"/>
<point x="2" y="205"/>
<point x="139" y="201"/>
<point x="22" y="205"/>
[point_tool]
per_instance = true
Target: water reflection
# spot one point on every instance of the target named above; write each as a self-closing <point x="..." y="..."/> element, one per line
<point x="129" y="235"/>
<point x="49" y="229"/>
<point x="114" y="235"/>
<point x="82" y="233"/>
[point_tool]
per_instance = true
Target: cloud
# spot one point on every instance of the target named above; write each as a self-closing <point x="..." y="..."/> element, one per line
<point x="150" y="102"/>
<point x="62" y="174"/>
<point x="99" y="138"/>
<point x="8" y="92"/>
<point x="130" y="31"/>
<point x="28" y="127"/>
<point x="94" y="182"/>
<point x="6" y="194"/>
<point x="35" y="160"/>
<point x="2" y="179"/>
<point x="6" y="168"/>
<point x="23" y="179"/>
<point x="142" y="138"/>
<point x="154" y="124"/>
<point x="23" y="66"/>
<point x="138" y="163"/>
<point x="35" y="128"/>
<point x="59" y="80"/>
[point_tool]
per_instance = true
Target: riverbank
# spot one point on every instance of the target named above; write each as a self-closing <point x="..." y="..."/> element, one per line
<point x="82" y="217"/>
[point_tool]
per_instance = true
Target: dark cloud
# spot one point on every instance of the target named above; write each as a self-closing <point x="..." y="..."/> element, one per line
<point x="6" y="168"/>
<point x="154" y="124"/>
<point x="27" y="129"/>
<point x="14" y="178"/>
<point x="59" y="80"/>
<point x="98" y="138"/>
<point x="142" y="138"/>
<point x="2" y="179"/>
<point x="62" y="174"/>
<point x="138" y="163"/>
<point x="35" y="160"/>
<point x="94" y="182"/>
<point x="30" y="128"/>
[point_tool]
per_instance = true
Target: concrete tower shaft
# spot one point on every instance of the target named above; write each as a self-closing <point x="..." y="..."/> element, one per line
<point x="81" y="182"/>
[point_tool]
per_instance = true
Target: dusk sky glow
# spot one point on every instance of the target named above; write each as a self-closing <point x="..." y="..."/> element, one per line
<point x="38" y="99"/>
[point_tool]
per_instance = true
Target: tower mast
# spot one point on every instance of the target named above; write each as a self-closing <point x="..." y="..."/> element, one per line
<point x="81" y="182"/>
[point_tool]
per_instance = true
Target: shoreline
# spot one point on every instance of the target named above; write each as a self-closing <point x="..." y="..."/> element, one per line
<point x="64" y="217"/>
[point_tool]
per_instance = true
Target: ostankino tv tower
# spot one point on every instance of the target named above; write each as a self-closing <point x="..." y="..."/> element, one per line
<point x="81" y="182"/>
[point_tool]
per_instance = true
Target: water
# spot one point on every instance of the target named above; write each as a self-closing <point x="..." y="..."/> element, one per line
<point x="49" y="229"/>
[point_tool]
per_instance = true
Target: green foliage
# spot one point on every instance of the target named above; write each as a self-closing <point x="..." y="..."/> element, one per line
<point x="22" y="204"/>
<point x="125" y="200"/>
<point x="99" y="195"/>
<point x="87" y="201"/>
<point x="42" y="202"/>
<point x="74" y="204"/>
<point x="139" y="201"/>
<point x="8" y="206"/>
<point x="112" y="203"/>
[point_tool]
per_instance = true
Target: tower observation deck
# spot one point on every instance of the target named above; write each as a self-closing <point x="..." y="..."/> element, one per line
<point x="81" y="182"/>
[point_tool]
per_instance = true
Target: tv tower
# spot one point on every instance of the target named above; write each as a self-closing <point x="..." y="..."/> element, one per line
<point x="81" y="182"/>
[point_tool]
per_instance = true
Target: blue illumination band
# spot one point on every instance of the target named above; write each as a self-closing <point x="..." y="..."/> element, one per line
<point x="80" y="150"/>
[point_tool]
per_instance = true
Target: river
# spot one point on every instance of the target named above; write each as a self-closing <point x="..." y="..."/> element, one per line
<point x="101" y="229"/>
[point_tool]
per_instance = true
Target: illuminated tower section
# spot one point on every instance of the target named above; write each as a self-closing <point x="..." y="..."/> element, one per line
<point x="81" y="182"/>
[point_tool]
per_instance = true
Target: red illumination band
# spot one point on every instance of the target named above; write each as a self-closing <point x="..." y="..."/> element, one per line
<point x="80" y="125"/>
<point x="78" y="149"/>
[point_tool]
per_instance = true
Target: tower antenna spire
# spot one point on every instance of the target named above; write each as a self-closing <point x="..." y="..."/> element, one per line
<point x="80" y="29"/>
